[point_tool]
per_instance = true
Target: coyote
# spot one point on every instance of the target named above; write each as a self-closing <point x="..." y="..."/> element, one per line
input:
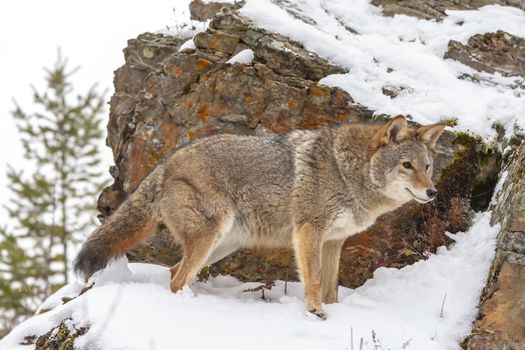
<point x="308" y="190"/>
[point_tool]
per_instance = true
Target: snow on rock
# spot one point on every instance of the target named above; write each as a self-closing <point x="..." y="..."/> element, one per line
<point x="244" y="56"/>
<point x="117" y="271"/>
<point x="70" y="290"/>
<point x="183" y="26"/>
<point x="499" y="186"/>
<point x="189" y="44"/>
<point x="138" y="311"/>
<point x="403" y="51"/>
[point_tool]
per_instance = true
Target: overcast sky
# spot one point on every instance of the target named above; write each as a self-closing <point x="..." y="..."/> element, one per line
<point x="91" y="34"/>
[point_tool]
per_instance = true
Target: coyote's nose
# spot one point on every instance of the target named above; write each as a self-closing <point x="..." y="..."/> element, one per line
<point x="431" y="193"/>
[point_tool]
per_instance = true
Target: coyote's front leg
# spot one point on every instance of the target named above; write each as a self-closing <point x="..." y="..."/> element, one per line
<point x="307" y="246"/>
<point x="330" y="270"/>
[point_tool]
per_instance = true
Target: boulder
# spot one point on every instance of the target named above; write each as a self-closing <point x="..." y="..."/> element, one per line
<point x="436" y="9"/>
<point x="501" y="316"/>
<point x="491" y="52"/>
<point x="165" y="98"/>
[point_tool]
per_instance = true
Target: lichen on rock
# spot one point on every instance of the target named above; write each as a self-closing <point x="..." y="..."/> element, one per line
<point x="61" y="337"/>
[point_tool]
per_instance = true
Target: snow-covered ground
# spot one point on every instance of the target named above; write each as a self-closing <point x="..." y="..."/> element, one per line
<point x="428" y="305"/>
<point x="406" y="52"/>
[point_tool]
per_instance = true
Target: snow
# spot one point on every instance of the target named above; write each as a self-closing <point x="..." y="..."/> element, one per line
<point x="405" y="51"/>
<point x="499" y="186"/>
<point x="189" y="44"/>
<point x="244" y="57"/>
<point x="183" y="26"/>
<point x="55" y="299"/>
<point x="131" y="307"/>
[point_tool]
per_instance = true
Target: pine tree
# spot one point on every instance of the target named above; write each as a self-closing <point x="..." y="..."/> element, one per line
<point x="54" y="203"/>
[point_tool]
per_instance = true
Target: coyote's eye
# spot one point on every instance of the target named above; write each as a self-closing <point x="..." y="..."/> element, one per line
<point x="428" y="166"/>
<point x="407" y="165"/>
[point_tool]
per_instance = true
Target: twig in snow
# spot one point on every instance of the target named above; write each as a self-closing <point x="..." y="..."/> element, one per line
<point x="377" y="343"/>
<point x="406" y="344"/>
<point x="352" y="338"/>
<point x="443" y="306"/>
<point x="261" y="288"/>
<point x="435" y="334"/>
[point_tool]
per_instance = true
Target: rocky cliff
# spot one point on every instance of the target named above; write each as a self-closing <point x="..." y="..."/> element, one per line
<point x="500" y="321"/>
<point x="170" y="91"/>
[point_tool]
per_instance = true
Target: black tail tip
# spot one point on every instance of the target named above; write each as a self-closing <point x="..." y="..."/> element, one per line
<point x="89" y="261"/>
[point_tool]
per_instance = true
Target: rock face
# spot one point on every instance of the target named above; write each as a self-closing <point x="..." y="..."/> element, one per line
<point x="491" y="52"/>
<point x="61" y="337"/>
<point x="165" y="98"/>
<point x="500" y="321"/>
<point x="202" y="11"/>
<point x="435" y="9"/>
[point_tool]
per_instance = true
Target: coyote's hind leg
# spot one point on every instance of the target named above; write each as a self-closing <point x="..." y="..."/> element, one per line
<point x="199" y="224"/>
<point x="194" y="257"/>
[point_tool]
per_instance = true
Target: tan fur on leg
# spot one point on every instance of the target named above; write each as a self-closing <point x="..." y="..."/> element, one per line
<point x="196" y="252"/>
<point x="307" y="244"/>
<point x="330" y="257"/>
<point x="174" y="269"/>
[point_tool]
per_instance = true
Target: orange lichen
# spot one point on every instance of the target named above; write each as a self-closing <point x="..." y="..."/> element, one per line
<point x="202" y="63"/>
<point x="293" y="105"/>
<point x="174" y="70"/>
<point x="170" y="135"/>
<point x="201" y="132"/>
<point x="319" y="91"/>
<point x="204" y="112"/>
<point x="315" y="90"/>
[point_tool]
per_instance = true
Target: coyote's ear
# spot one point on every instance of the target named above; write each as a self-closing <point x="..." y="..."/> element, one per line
<point x="429" y="134"/>
<point x="396" y="130"/>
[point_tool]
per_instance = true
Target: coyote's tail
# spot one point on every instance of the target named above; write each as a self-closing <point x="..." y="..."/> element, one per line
<point x="129" y="225"/>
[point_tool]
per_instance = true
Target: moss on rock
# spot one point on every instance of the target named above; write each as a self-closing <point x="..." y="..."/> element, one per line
<point x="62" y="337"/>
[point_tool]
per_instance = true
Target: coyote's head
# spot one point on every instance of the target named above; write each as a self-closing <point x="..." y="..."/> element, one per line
<point x="402" y="164"/>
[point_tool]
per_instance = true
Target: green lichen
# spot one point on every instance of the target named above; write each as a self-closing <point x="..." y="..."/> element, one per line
<point x="466" y="139"/>
<point x="452" y="122"/>
<point x="148" y="52"/>
<point x="516" y="178"/>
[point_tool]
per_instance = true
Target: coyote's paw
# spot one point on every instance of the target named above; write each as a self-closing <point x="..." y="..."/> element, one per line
<point x="319" y="313"/>
<point x="186" y="292"/>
